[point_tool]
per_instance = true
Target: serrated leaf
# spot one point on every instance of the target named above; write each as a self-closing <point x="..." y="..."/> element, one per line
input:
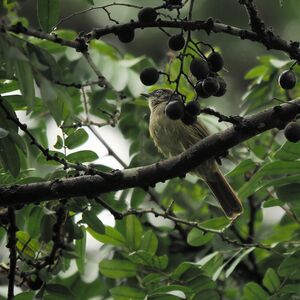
<point x="48" y="13"/>
<point x="82" y="156"/>
<point x="271" y="280"/>
<point x="197" y="237"/>
<point x="91" y="219"/>
<point x="117" y="268"/>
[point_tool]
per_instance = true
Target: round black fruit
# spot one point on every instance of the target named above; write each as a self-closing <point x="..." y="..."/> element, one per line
<point x="222" y="89"/>
<point x="199" y="68"/>
<point x="176" y="42"/>
<point x="193" y="108"/>
<point x="292" y="132"/>
<point x="149" y="76"/>
<point x="200" y="90"/>
<point x="287" y="79"/>
<point x="174" y="110"/>
<point x="211" y="85"/>
<point x="125" y="34"/>
<point x="215" y="62"/>
<point x="188" y="119"/>
<point x="147" y="14"/>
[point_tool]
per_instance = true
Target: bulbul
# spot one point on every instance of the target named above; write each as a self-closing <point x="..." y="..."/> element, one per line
<point x="172" y="137"/>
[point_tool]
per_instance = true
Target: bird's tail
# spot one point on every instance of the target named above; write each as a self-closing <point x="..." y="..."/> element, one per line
<point x="224" y="193"/>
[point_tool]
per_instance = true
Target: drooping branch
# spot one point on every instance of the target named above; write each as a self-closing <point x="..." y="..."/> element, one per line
<point x="146" y="176"/>
<point x="270" y="40"/>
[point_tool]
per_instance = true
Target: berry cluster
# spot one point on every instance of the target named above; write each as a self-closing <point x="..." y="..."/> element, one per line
<point x="188" y="113"/>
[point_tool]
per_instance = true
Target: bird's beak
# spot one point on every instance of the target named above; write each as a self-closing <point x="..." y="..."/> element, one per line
<point x="145" y="95"/>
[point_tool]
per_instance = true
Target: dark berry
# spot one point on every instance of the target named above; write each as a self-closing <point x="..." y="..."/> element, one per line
<point x="176" y="42"/>
<point x="210" y="85"/>
<point x="215" y="62"/>
<point x="222" y="89"/>
<point x="35" y="283"/>
<point x="125" y="33"/>
<point x="287" y="79"/>
<point x="147" y="14"/>
<point x="292" y="132"/>
<point x="193" y="108"/>
<point x="188" y="119"/>
<point x="199" y="68"/>
<point x="174" y="110"/>
<point x="149" y="76"/>
<point x="200" y="90"/>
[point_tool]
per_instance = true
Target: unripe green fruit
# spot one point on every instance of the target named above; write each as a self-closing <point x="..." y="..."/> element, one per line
<point x="222" y="89"/>
<point x="125" y="34"/>
<point x="188" y="119"/>
<point x="210" y="85"/>
<point x="174" y="110"/>
<point x="287" y="79"/>
<point x="215" y="62"/>
<point x="147" y="14"/>
<point x="200" y="90"/>
<point x="193" y="108"/>
<point x="176" y="42"/>
<point x="199" y="68"/>
<point x="149" y="76"/>
<point x="292" y="132"/>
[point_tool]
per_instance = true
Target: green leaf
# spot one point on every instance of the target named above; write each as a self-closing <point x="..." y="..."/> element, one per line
<point x="76" y="138"/>
<point x="48" y="13"/>
<point x="289" y="193"/>
<point x="80" y="248"/>
<point x="59" y="143"/>
<point x="91" y="219"/>
<point x="138" y="196"/>
<point x="287" y="266"/>
<point x="25" y="78"/>
<point x="134" y="231"/>
<point x="291" y="289"/>
<point x="144" y="258"/>
<point x="269" y="169"/>
<point x="35" y="217"/>
<point x="82" y="156"/>
<point x="25" y="296"/>
<point x="126" y="292"/>
<point x="59" y="290"/>
<point x="3" y="133"/>
<point x="173" y="288"/>
<point x="237" y="261"/>
<point x="288" y="151"/>
<point x="197" y="237"/>
<point x="149" y="242"/>
<point x="117" y="268"/>
<point x="271" y="280"/>
<point x="111" y="236"/>
<point x="253" y="291"/>
<point x="243" y="167"/>
<point x="26" y="244"/>
<point x="9" y="157"/>
<point x="219" y="223"/>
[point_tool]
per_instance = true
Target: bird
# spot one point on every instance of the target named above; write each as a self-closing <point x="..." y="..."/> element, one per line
<point x="173" y="137"/>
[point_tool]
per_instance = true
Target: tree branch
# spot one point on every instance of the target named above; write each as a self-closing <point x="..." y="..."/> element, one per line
<point x="212" y="146"/>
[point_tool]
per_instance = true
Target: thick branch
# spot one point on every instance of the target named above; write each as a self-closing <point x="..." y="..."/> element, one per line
<point x="146" y="176"/>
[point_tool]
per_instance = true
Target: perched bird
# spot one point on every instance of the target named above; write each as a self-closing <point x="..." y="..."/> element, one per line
<point x="172" y="137"/>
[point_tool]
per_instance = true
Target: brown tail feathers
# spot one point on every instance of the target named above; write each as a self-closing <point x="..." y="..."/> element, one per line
<point x="224" y="193"/>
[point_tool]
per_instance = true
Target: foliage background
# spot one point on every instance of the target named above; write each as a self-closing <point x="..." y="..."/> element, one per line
<point x="141" y="255"/>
